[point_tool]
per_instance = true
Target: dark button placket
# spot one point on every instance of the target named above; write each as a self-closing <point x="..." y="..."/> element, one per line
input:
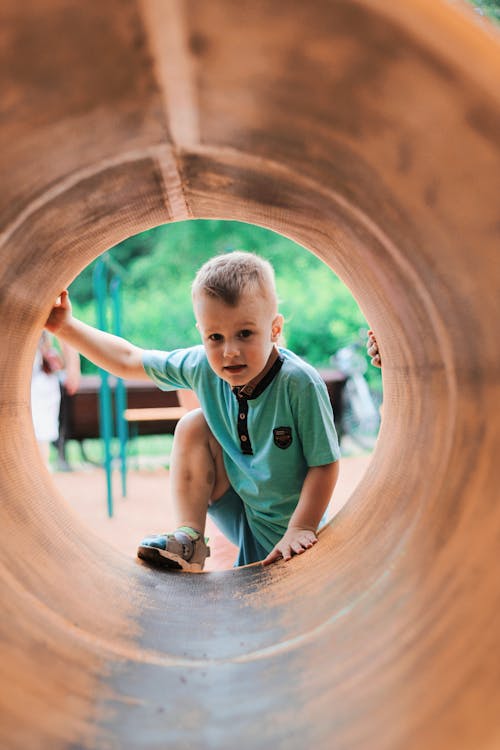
<point x="250" y="391"/>
<point x="245" y="444"/>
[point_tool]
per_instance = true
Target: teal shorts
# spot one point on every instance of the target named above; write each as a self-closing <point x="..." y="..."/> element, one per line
<point x="228" y="513"/>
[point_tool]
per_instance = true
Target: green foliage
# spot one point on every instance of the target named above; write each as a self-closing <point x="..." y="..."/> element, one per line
<point x="490" y="8"/>
<point x="320" y="312"/>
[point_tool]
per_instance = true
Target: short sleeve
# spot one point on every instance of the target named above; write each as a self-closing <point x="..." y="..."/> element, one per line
<point x="176" y="369"/>
<point x="314" y="423"/>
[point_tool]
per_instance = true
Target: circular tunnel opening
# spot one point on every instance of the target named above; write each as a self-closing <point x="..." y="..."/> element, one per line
<point x="369" y="259"/>
<point x="141" y="289"/>
<point x="368" y="133"/>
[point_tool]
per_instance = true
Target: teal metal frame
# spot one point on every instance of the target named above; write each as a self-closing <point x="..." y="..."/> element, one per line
<point x="100" y="283"/>
<point x="120" y="390"/>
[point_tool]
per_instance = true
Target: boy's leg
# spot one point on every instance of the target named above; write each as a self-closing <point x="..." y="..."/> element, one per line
<point x="228" y="513"/>
<point x="197" y="476"/>
<point x="197" y="473"/>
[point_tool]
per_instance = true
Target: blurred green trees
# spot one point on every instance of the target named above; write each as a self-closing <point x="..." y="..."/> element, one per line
<point x="489" y="8"/>
<point x="320" y="312"/>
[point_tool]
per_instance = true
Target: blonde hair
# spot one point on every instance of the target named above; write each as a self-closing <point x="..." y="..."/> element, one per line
<point x="227" y="276"/>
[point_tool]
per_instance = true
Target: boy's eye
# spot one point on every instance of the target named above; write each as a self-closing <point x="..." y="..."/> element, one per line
<point x="215" y="337"/>
<point x="245" y="333"/>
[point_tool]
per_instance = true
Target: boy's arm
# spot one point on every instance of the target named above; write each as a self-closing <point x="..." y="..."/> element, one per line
<point x="71" y="368"/>
<point x="316" y="493"/>
<point x="111" y="353"/>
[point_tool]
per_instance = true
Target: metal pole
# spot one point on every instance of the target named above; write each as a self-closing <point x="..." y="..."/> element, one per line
<point x="120" y="390"/>
<point x="105" y="407"/>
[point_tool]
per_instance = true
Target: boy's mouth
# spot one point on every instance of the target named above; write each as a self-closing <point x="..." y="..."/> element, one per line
<point x="234" y="369"/>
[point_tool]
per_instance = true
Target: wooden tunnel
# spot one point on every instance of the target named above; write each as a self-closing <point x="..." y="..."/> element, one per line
<point x="369" y="132"/>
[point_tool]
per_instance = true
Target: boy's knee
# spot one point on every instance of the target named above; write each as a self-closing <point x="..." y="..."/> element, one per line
<point x="193" y="425"/>
<point x="192" y="430"/>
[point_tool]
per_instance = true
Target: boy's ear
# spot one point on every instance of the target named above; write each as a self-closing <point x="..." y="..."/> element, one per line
<point x="277" y="327"/>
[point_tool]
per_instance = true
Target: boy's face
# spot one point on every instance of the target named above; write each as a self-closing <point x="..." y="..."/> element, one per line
<point x="238" y="340"/>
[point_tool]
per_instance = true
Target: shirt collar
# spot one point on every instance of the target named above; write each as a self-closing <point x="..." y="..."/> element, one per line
<point x="259" y="383"/>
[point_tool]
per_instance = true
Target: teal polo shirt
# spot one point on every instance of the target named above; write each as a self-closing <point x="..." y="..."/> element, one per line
<point x="269" y="439"/>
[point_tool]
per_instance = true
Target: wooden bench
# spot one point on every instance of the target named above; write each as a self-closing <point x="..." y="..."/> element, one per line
<point x="150" y="410"/>
<point x="160" y="414"/>
<point x="81" y="420"/>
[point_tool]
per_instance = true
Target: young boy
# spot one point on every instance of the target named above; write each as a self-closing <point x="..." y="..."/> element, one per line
<point x="261" y="455"/>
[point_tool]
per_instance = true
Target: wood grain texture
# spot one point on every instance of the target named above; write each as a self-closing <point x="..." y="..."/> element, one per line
<point x="370" y="133"/>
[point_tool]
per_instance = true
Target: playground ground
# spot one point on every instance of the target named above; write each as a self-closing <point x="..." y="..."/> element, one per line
<point x="146" y="508"/>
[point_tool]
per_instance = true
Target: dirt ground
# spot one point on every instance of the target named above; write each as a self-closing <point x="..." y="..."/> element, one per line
<point x="146" y="509"/>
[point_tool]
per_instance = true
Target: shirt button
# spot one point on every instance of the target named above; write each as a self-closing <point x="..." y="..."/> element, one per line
<point x="242" y="416"/>
<point x="244" y="438"/>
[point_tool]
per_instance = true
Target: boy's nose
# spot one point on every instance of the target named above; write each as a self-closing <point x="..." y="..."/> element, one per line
<point x="231" y="349"/>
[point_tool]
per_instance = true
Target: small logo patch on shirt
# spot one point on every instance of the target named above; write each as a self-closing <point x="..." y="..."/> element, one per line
<point x="283" y="437"/>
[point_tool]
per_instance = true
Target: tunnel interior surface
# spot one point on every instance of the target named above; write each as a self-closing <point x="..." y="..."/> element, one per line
<point x="369" y="132"/>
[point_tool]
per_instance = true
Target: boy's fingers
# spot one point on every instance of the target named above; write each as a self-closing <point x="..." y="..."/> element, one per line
<point x="286" y="550"/>
<point x="303" y="543"/>
<point x="274" y="555"/>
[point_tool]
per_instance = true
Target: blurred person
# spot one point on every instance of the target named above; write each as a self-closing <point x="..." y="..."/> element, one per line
<point x="53" y="369"/>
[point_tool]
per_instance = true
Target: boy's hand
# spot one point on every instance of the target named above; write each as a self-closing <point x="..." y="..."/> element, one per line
<point x="372" y="349"/>
<point x="294" y="542"/>
<point x="60" y="313"/>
